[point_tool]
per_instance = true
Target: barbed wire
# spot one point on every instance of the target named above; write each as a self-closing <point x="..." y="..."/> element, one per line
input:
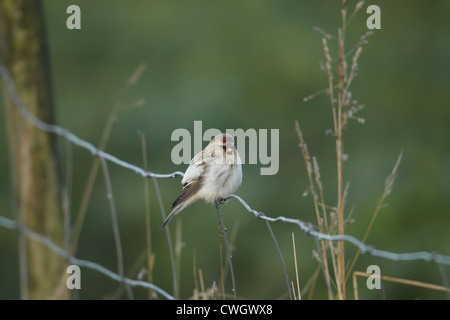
<point x="11" y="224"/>
<point x="365" y="249"/>
<point x="307" y="228"/>
<point x="66" y="134"/>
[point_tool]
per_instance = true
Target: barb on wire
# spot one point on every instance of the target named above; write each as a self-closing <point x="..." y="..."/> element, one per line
<point x="11" y="224"/>
<point x="365" y="249"/>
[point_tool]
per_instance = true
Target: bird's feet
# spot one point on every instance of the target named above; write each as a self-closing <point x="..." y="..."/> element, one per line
<point x="223" y="200"/>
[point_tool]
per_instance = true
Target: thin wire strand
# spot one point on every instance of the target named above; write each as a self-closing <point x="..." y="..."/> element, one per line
<point x="72" y="137"/>
<point x="11" y="224"/>
<point x="365" y="249"/>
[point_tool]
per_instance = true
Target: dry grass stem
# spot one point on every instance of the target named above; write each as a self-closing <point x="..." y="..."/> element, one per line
<point x="388" y="185"/>
<point x="223" y="232"/>
<point x="309" y="169"/>
<point x="96" y="162"/>
<point x="150" y="254"/>
<point x="397" y="280"/>
<point x="298" y="296"/>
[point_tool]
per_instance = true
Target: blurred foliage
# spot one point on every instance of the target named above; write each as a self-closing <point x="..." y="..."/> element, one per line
<point x="248" y="64"/>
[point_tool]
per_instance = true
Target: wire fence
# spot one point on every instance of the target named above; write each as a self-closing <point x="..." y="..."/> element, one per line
<point x="10" y="224"/>
<point x="307" y="228"/>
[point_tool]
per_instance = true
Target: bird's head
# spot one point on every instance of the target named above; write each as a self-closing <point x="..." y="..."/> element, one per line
<point x="225" y="142"/>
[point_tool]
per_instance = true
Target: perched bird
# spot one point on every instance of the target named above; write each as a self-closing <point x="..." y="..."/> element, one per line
<point x="213" y="175"/>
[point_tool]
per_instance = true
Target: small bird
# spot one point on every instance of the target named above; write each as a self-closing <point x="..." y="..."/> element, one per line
<point x="213" y="175"/>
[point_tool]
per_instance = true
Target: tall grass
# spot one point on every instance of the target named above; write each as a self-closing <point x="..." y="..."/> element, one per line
<point x="340" y="76"/>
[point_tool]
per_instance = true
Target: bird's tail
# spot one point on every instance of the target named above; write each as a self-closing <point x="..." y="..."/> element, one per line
<point x="175" y="211"/>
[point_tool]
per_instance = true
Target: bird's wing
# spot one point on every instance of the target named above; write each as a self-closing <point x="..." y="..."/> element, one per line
<point x="196" y="167"/>
<point x="186" y="198"/>
<point x="189" y="189"/>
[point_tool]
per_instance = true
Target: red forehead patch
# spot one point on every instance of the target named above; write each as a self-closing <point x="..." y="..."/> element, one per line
<point x="226" y="138"/>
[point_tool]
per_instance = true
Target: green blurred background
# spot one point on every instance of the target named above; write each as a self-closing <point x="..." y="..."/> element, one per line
<point x="248" y="64"/>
